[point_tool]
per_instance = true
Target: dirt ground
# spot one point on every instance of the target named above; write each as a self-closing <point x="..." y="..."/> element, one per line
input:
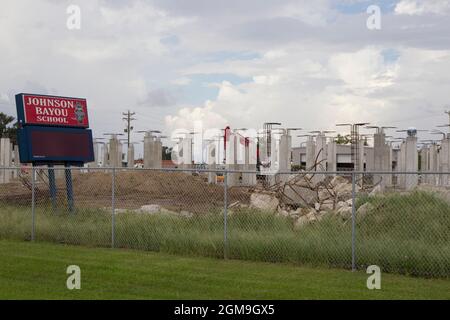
<point x="172" y="190"/>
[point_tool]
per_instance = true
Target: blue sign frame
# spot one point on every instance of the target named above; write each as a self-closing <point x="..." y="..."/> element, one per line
<point x="26" y="147"/>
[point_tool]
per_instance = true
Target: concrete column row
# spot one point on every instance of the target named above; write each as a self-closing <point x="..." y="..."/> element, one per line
<point x="9" y="157"/>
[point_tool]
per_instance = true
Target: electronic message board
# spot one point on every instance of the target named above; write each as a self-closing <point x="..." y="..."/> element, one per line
<point x="34" y="109"/>
<point x="39" y="144"/>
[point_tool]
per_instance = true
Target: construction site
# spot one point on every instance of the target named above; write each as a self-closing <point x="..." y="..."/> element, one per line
<point x="257" y="156"/>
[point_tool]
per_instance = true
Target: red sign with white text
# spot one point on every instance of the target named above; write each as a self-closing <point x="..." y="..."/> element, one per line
<point x="56" y="111"/>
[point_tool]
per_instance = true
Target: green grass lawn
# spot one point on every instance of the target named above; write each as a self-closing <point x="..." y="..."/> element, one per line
<point x="403" y="234"/>
<point x="38" y="271"/>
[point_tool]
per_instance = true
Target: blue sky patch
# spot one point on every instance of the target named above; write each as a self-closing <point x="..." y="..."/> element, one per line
<point x="387" y="6"/>
<point x="390" y="55"/>
<point x="230" y="55"/>
<point x="170" y="40"/>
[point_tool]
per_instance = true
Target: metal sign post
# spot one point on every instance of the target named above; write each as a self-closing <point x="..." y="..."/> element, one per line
<point x="69" y="188"/>
<point x="52" y="185"/>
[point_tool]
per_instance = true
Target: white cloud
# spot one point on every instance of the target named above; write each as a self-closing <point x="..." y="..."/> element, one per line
<point x="4" y="97"/>
<point x="349" y="86"/>
<point x="422" y="7"/>
<point x="183" y="81"/>
<point x="310" y="12"/>
<point x="274" y="54"/>
<point x="362" y="70"/>
<point x="186" y="118"/>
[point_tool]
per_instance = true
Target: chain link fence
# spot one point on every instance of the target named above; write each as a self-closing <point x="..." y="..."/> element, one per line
<point x="398" y="221"/>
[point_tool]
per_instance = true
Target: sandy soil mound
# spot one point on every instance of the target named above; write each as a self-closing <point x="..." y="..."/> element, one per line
<point x="173" y="190"/>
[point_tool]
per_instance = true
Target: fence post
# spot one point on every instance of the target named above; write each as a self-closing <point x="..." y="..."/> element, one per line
<point x="353" y="220"/>
<point x="113" y="204"/>
<point x="225" y="213"/>
<point x="33" y="206"/>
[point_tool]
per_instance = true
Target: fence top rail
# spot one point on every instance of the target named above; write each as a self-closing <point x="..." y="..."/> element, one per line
<point x="218" y="170"/>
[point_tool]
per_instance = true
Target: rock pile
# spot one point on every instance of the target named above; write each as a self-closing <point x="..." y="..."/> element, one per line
<point x="264" y="201"/>
<point x="154" y="209"/>
<point x="304" y="200"/>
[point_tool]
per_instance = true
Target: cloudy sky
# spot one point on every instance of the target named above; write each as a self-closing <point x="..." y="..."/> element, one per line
<point x="307" y="64"/>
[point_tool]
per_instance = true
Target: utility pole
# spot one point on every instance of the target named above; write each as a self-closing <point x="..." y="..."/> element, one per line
<point x="128" y="118"/>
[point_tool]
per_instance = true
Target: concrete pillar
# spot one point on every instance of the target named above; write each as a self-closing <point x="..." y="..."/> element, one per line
<point x="321" y="156"/>
<point x="186" y="145"/>
<point x="438" y="166"/>
<point x="149" y="150"/>
<point x="284" y="156"/>
<point x="16" y="156"/>
<point x="387" y="165"/>
<point x="94" y="164"/>
<point x="401" y="165"/>
<point x="96" y="153"/>
<point x="433" y="164"/>
<point x="411" y="162"/>
<point x="331" y="156"/>
<point x="114" y="151"/>
<point x="425" y="162"/>
<point x="105" y="155"/>
<point x="240" y="152"/>
<point x="444" y="157"/>
<point x="274" y="153"/>
<point x="271" y="178"/>
<point x="120" y="153"/>
<point x="11" y="160"/>
<point x="310" y="153"/>
<point x="290" y="156"/>
<point x="382" y="160"/>
<point x="5" y="160"/>
<point x="424" y="158"/>
<point x="321" y="152"/>
<point x="240" y="156"/>
<point x="130" y="156"/>
<point x="230" y="161"/>
<point x="263" y="156"/>
<point x="16" y="161"/>
<point x="360" y="165"/>
<point x="369" y="158"/>
<point x="211" y="151"/>
<point x="379" y="141"/>
<point x="246" y="177"/>
<point x="158" y="153"/>
<point x="251" y="159"/>
<point x="267" y="162"/>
